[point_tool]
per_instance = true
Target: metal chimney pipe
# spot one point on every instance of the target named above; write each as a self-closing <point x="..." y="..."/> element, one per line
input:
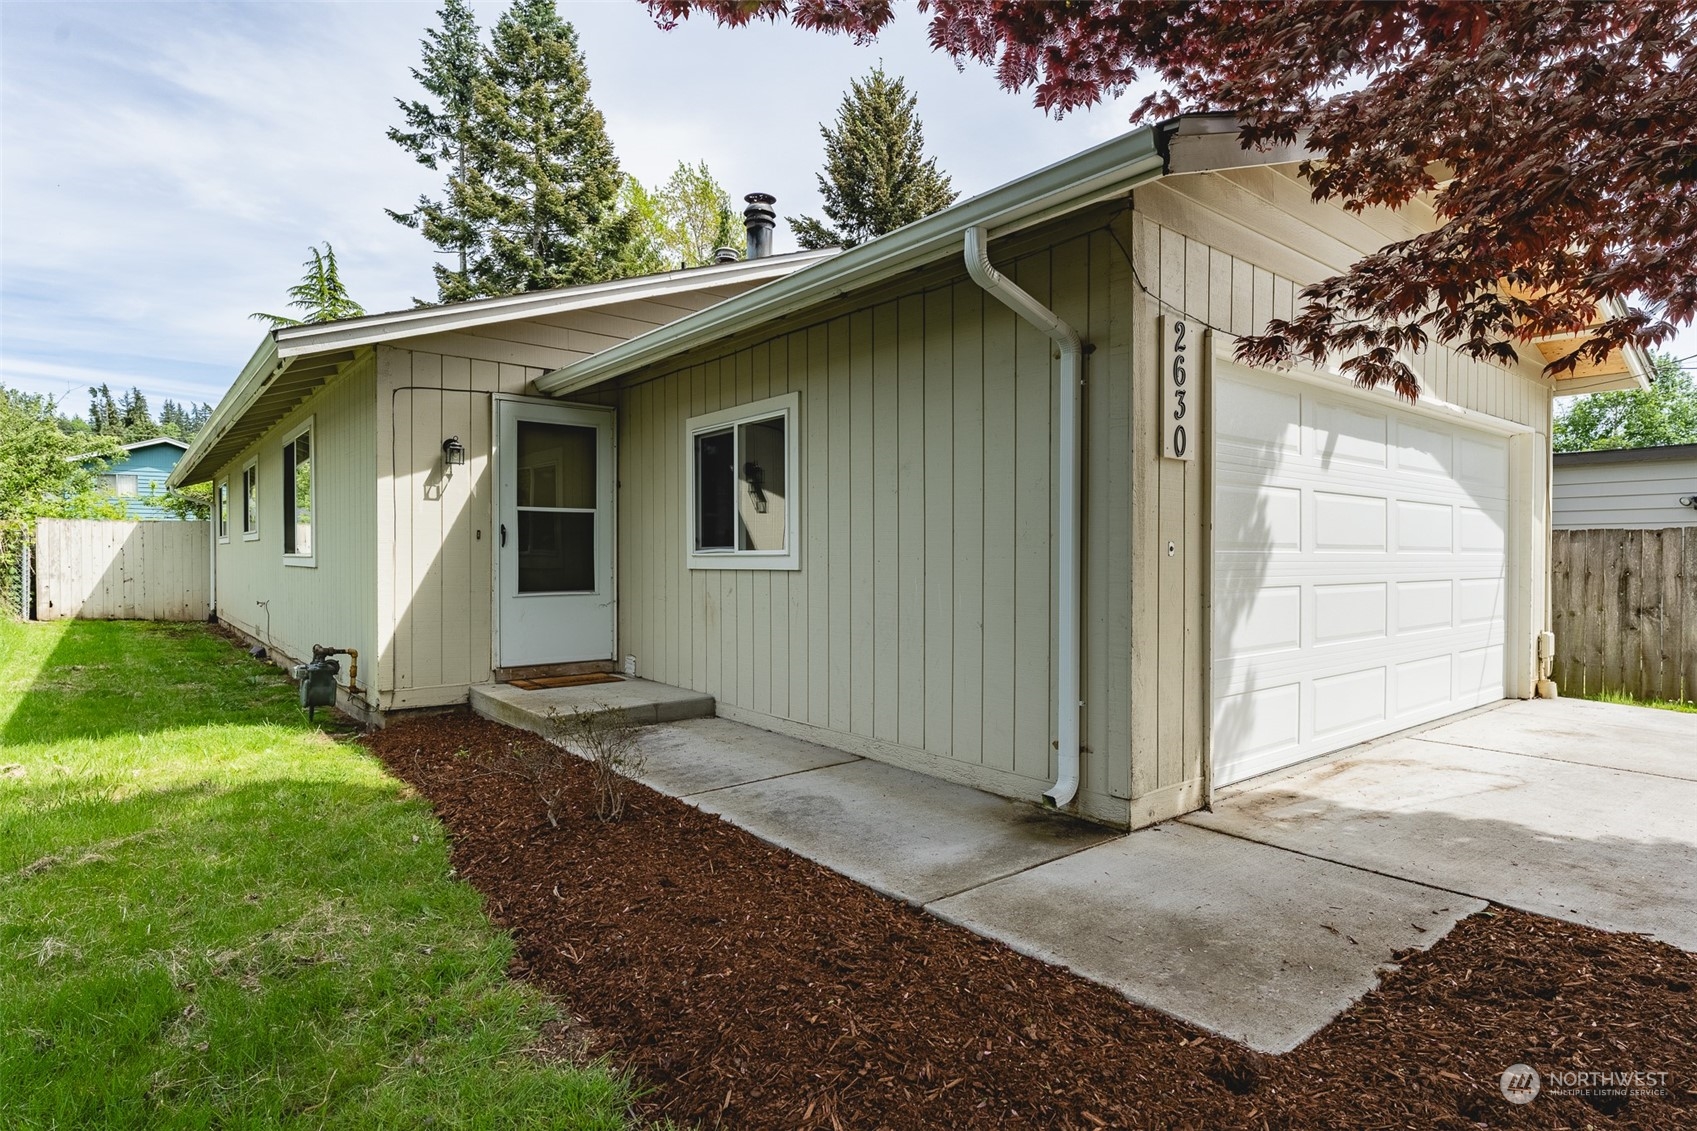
<point x="760" y="218"/>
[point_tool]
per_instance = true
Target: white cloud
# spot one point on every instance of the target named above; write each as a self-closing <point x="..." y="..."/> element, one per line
<point x="167" y="165"/>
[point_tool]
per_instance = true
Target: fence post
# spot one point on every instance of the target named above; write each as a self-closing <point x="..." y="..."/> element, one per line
<point x="24" y="585"/>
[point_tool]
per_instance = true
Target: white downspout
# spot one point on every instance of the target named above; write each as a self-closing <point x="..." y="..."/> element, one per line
<point x="1066" y="551"/>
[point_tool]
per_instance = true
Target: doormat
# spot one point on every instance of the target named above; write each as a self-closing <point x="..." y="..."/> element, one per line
<point x="582" y="680"/>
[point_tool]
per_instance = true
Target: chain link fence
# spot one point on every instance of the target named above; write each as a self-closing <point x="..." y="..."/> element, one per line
<point x="16" y="584"/>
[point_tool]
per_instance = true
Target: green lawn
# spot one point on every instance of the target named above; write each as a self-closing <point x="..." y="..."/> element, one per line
<point x="215" y="915"/>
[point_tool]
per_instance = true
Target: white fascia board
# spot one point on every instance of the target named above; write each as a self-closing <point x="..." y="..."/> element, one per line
<point x="255" y="375"/>
<point x="1207" y="143"/>
<point x="296" y="341"/>
<point x="152" y="442"/>
<point x="1108" y="170"/>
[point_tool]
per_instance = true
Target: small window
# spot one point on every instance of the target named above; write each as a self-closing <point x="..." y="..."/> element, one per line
<point x="223" y="515"/>
<point x="743" y="471"/>
<point x="298" y="495"/>
<point x="122" y="485"/>
<point x="250" y="501"/>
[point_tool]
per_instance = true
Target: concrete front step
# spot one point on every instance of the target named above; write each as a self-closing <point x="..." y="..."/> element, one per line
<point x="643" y="701"/>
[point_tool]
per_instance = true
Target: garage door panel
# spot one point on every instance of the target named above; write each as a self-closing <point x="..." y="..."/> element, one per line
<point x="1258" y="520"/>
<point x="1348" y="611"/>
<point x="1264" y="419"/>
<point x="1348" y="522"/>
<point x="1374" y="597"/>
<point x="1348" y="700"/>
<point x="1348" y="434"/>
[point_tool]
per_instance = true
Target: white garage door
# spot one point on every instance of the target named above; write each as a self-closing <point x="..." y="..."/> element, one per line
<point x="1359" y="570"/>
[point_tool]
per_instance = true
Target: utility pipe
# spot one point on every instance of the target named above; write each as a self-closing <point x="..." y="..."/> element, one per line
<point x="1067" y="568"/>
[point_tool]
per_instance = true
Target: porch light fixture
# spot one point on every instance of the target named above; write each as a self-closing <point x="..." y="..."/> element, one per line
<point x="453" y="452"/>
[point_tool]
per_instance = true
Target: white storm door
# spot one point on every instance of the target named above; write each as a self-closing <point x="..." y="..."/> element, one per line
<point x="554" y="535"/>
<point x="1360" y="569"/>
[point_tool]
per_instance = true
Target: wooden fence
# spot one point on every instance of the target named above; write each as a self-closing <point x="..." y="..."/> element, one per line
<point x="1625" y="605"/>
<point x="97" y="570"/>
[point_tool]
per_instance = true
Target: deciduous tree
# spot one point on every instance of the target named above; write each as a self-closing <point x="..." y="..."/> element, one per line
<point x="876" y="175"/>
<point x="685" y="219"/>
<point x="1556" y="142"/>
<point x="1665" y="413"/>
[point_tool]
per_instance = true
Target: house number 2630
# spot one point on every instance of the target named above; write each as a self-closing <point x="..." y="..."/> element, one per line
<point x="1178" y="402"/>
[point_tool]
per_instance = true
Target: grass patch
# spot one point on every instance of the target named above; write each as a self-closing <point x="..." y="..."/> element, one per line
<point x="1633" y="701"/>
<point x="213" y="914"/>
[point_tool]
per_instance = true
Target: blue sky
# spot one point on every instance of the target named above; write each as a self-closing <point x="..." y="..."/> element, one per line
<point x="164" y="167"/>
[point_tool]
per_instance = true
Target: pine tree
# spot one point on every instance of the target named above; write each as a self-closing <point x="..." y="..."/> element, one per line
<point x="440" y="136"/>
<point x="135" y="422"/>
<point x="320" y="294"/>
<point x="549" y="204"/>
<point x="103" y="411"/>
<point x="876" y="176"/>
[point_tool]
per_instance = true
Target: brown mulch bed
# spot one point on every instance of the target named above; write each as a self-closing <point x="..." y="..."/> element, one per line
<point x="750" y="988"/>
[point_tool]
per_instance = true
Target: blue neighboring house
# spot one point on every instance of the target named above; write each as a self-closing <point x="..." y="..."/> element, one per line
<point x="140" y="474"/>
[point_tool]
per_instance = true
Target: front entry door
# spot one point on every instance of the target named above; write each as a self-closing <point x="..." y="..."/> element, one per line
<point x="554" y="538"/>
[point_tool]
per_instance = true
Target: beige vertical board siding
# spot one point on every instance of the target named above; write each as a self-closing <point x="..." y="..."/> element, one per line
<point x="919" y="628"/>
<point x="94" y="569"/>
<point x="1034" y="508"/>
<point x="334" y="602"/>
<point x="887" y="501"/>
<point x="937" y="598"/>
<point x="810" y="629"/>
<point x="911" y="561"/>
<point x="966" y="513"/>
<point x="437" y="528"/>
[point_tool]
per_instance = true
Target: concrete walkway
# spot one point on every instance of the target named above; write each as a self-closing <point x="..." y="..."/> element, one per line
<point x="1266" y="918"/>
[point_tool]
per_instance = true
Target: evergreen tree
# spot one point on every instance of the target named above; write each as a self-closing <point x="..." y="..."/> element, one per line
<point x="440" y="136"/>
<point x="549" y="204"/>
<point x="876" y="176"/>
<point x="320" y="294"/>
<point x="135" y="421"/>
<point x="103" y="411"/>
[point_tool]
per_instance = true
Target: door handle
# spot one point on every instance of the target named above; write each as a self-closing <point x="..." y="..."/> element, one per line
<point x="503" y="534"/>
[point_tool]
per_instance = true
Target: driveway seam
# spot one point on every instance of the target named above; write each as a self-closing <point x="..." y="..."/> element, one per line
<point x="1553" y="758"/>
<point x="926" y="906"/>
<point x="1340" y="863"/>
<point x="756" y="781"/>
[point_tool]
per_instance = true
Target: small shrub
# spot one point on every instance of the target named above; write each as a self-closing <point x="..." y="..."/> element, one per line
<point x="605" y="736"/>
<point x="539" y="764"/>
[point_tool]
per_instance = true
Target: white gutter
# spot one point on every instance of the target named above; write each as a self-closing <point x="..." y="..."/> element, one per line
<point x="1067" y="567"/>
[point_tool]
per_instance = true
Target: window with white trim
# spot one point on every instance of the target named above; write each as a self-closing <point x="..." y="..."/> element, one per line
<point x="250" y="500"/>
<point x="744" y="486"/>
<point x="223" y="516"/>
<point x="298" y="495"/>
<point x="123" y="484"/>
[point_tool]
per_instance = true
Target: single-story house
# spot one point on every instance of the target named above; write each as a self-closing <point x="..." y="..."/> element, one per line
<point x="1626" y="488"/>
<point x="986" y="497"/>
<point x="137" y="478"/>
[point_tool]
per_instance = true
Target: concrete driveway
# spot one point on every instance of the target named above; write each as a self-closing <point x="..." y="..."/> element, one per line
<point x="1577" y="810"/>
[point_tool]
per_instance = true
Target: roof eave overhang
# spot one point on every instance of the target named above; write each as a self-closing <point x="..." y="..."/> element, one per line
<point x="1107" y="171"/>
<point x="261" y="367"/>
<point x="287" y="346"/>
